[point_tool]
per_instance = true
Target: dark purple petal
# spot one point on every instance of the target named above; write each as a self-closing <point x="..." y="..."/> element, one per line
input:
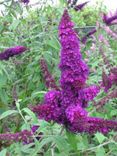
<point x="24" y="136"/>
<point x="49" y="80"/>
<point x="88" y="94"/>
<point x="106" y="81"/>
<point x="66" y="106"/>
<point x="10" y="52"/>
<point x="109" y="20"/>
<point x="84" y="39"/>
<point x="25" y="1"/>
<point x="101" y="125"/>
<point x="74" y="71"/>
<point x="80" y="6"/>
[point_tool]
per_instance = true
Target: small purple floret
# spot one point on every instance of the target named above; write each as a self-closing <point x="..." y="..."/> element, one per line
<point x="80" y="6"/>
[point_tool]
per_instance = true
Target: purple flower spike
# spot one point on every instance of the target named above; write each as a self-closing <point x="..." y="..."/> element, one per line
<point x="76" y="114"/>
<point x="25" y="1"/>
<point x="66" y="105"/>
<point x="74" y="71"/>
<point x="84" y="39"/>
<point x="106" y="81"/>
<point x="80" y="6"/>
<point x="49" y="80"/>
<point x="24" y="136"/>
<point x="10" y="52"/>
<point x="100" y="125"/>
<point x="113" y="75"/>
<point x="110" y="20"/>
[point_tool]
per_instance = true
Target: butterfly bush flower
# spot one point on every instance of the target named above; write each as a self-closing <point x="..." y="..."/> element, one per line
<point x="102" y="39"/>
<point x="89" y="34"/>
<point x="24" y="136"/>
<point x="49" y="80"/>
<point x="80" y="6"/>
<point x="113" y="75"/>
<point x="110" y="19"/>
<point x="106" y="81"/>
<point x="74" y="71"/>
<point x="10" y="52"/>
<point x="109" y="79"/>
<point x="25" y="1"/>
<point x="67" y="105"/>
<point x="110" y="32"/>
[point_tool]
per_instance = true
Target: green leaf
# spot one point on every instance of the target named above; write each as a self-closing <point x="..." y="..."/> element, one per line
<point x="113" y="112"/>
<point x="14" y="25"/>
<point x="3" y="152"/>
<point x="100" y="137"/>
<point x="39" y="94"/>
<point x="100" y="151"/>
<point x="7" y="113"/>
<point x="62" y="145"/>
<point x="72" y="139"/>
<point x="54" y="44"/>
<point x="3" y="96"/>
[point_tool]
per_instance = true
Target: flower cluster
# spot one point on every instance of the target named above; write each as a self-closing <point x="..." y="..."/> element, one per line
<point x="84" y="39"/>
<point x="110" y="20"/>
<point x="67" y="105"/>
<point x="49" y="80"/>
<point x="10" y="52"/>
<point x="80" y="6"/>
<point x="25" y="1"/>
<point x="24" y="136"/>
<point x="73" y="4"/>
<point x="109" y="79"/>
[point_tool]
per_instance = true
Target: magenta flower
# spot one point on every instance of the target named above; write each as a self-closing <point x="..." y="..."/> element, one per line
<point x="110" y="20"/>
<point x="106" y="81"/>
<point x="109" y="79"/>
<point x="25" y="1"/>
<point x="25" y="136"/>
<point x="10" y="52"/>
<point x="113" y="75"/>
<point x="49" y="80"/>
<point x="84" y="39"/>
<point x="80" y="6"/>
<point x="66" y="106"/>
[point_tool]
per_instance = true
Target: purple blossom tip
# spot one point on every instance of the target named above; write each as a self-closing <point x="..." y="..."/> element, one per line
<point x="25" y="1"/>
<point x="80" y="6"/>
<point x="84" y="39"/>
<point x="10" y="52"/>
<point x="49" y="80"/>
<point x="109" y="20"/>
<point x="73" y="69"/>
<point x="106" y="81"/>
<point x="24" y="136"/>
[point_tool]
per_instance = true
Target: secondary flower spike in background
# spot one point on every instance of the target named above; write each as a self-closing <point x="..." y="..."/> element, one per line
<point x="110" y="20"/>
<point x="80" y="6"/>
<point x="25" y="1"/>
<point x="67" y="105"/>
<point x="10" y="52"/>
